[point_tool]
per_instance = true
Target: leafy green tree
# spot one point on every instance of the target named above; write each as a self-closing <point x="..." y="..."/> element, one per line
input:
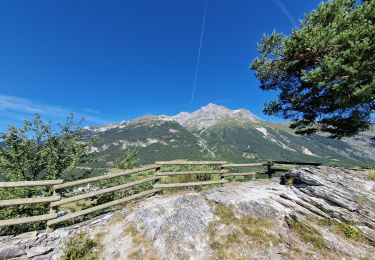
<point x="128" y="160"/>
<point x="324" y="71"/>
<point x="38" y="150"/>
<point x="41" y="150"/>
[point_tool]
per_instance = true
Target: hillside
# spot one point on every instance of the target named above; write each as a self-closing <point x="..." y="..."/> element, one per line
<point x="216" y="132"/>
<point x="323" y="213"/>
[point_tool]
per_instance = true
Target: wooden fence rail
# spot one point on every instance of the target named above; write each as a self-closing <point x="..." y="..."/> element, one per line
<point x="19" y="184"/>
<point x="56" y="186"/>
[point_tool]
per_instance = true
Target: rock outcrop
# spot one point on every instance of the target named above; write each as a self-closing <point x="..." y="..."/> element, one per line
<point x="316" y="213"/>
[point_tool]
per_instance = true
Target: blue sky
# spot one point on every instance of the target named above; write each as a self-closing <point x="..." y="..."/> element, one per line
<point x="117" y="60"/>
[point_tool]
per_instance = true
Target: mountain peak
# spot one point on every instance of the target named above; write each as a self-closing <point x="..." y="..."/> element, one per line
<point x="212" y="114"/>
<point x="200" y="119"/>
<point x="212" y="105"/>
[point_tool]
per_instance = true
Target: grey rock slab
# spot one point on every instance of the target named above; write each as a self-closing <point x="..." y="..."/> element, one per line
<point x="305" y="205"/>
<point x="38" y="251"/>
<point x="310" y="179"/>
<point x="100" y="219"/>
<point x="307" y="176"/>
<point x="369" y="233"/>
<point x="256" y="198"/>
<point x="10" y="251"/>
<point x="5" y="238"/>
<point x="175" y="224"/>
<point x="331" y="197"/>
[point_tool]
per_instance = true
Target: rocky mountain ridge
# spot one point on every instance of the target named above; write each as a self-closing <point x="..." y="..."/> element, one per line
<point x="202" y="118"/>
<point x="211" y="115"/>
<point x="216" y="132"/>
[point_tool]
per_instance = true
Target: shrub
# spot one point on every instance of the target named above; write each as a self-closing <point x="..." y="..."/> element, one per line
<point x="128" y="160"/>
<point x="349" y="231"/>
<point x="79" y="247"/>
<point x="10" y="212"/>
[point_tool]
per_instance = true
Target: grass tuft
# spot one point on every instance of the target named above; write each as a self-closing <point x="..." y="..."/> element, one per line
<point x="349" y="231"/>
<point x="307" y="234"/>
<point x="371" y="174"/>
<point x="80" y="247"/>
<point x="142" y="247"/>
<point x="225" y="214"/>
<point x="344" y="228"/>
<point x="245" y="231"/>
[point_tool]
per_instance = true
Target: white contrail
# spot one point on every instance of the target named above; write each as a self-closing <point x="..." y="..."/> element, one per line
<point x="199" y="55"/>
<point x="285" y="11"/>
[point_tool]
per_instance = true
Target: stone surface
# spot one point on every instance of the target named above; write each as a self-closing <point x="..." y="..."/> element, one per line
<point x="179" y="225"/>
<point x="38" y="250"/>
<point x="10" y="251"/>
<point x="175" y="224"/>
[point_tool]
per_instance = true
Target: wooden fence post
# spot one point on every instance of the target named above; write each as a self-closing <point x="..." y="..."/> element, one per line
<point x="222" y="177"/>
<point x="269" y="169"/>
<point x="52" y="210"/>
<point x="157" y="170"/>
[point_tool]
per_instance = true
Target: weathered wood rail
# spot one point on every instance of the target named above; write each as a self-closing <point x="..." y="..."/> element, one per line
<point x="154" y="176"/>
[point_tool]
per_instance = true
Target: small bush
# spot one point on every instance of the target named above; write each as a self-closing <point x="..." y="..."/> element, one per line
<point x="349" y="231"/>
<point x="128" y="160"/>
<point x="79" y="247"/>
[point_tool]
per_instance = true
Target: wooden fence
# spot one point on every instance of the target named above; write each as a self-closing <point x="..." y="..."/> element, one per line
<point x="224" y="170"/>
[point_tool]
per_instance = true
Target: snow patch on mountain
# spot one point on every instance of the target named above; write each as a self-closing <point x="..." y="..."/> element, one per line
<point x="272" y="138"/>
<point x="172" y="131"/>
<point x="307" y="151"/>
<point x="104" y="128"/>
<point x="262" y="130"/>
<point x="212" y="114"/>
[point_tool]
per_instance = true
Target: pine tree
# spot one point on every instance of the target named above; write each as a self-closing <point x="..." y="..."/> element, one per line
<point x="324" y="71"/>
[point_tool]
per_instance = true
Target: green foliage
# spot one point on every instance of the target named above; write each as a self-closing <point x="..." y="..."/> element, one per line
<point x="226" y="214"/>
<point x="307" y="234"/>
<point x="230" y="142"/>
<point x="139" y="131"/>
<point x="190" y="177"/>
<point x="39" y="150"/>
<point x="79" y="247"/>
<point x="345" y="228"/>
<point x="349" y="231"/>
<point x="112" y="196"/>
<point x="128" y="161"/>
<point x="325" y="70"/>
<point x="22" y="210"/>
